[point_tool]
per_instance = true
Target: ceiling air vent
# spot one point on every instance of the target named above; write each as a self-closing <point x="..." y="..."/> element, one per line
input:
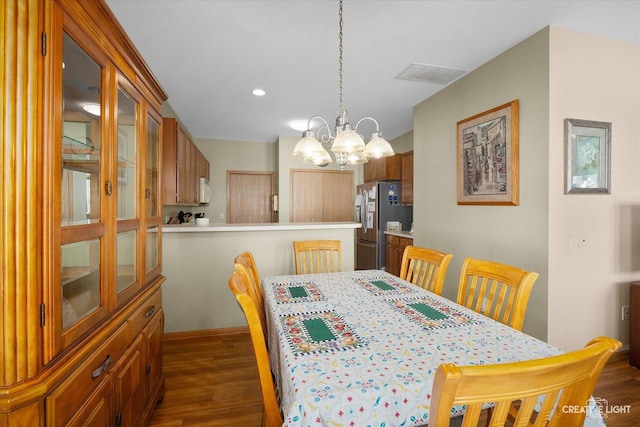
<point x="430" y="74"/>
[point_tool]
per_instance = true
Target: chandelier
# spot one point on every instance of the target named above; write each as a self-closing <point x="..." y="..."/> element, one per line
<point x="344" y="142"/>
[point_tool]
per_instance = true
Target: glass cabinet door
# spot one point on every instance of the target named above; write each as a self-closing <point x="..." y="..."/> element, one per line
<point x="127" y="240"/>
<point x="152" y="196"/>
<point x="81" y="197"/>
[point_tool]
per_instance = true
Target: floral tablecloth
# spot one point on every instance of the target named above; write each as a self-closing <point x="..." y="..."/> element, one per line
<point x="361" y="348"/>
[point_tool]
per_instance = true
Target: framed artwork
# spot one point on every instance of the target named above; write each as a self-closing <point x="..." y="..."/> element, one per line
<point x="588" y="157"/>
<point x="487" y="157"/>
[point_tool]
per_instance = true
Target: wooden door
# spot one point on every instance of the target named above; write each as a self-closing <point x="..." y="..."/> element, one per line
<point x="321" y="196"/>
<point x="249" y="197"/>
<point x="128" y="385"/>
<point x="338" y="200"/>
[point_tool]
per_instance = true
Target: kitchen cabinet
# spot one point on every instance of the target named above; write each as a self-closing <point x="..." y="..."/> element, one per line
<point x="182" y="164"/>
<point x="384" y="169"/>
<point x="634" y="324"/>
<point x="86" y="129"/>
<point x="394" y="252"/>
<point x="407" y="178"/>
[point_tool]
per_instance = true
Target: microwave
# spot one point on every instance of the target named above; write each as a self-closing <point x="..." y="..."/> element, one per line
<point x="205" y="191"/>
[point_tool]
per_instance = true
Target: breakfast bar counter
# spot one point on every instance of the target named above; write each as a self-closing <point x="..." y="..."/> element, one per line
<point x="271" y="226"/>
<point x="197" y="261"/>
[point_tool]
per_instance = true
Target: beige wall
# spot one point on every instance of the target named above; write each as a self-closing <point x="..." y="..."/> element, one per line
<point x="226" y="155"/>
<point x="231" y="155"/>
<point x="594" y="79"/>
<point x="555" y="74"/>
<point x="197" y="266"/>
<point x="510" y="234"/>
<point x="403" y="143"/>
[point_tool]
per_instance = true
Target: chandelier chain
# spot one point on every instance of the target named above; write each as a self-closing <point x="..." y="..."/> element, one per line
<point x="340" y="56"/>
<point x="346" y="144"/>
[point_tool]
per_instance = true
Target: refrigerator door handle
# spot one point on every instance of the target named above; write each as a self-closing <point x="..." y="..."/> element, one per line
<point x="364" y="211"/>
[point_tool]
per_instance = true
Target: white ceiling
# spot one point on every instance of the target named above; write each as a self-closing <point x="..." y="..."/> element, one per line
<point x="210" y="54"/>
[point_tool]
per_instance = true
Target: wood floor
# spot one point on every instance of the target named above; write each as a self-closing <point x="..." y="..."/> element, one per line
<point x="213" y="381"/>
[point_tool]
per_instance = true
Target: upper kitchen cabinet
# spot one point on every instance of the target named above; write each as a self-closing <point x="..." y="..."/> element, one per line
<point x="384" y="169"/>
<point x="407" y="178"/>
<point x="182" y="166"/>
<point x="81" y="228"/>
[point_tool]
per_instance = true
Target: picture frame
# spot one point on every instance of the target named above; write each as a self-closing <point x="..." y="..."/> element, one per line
<point x="488" y="157"/>
<point x="588" y="157"/>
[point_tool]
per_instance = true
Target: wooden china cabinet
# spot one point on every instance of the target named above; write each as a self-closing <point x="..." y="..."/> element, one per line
<point x="80" y="284"/>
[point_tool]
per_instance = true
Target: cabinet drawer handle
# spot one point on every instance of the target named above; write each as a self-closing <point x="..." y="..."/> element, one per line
<point x="101" y="368"/>
<point x="150" y="312"/>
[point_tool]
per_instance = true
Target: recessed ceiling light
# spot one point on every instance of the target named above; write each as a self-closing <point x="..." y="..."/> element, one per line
<point x="259" y="92"/>
<point x="299" y="125"/>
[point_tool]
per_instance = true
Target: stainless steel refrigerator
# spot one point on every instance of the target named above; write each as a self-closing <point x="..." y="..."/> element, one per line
<point x="376" y="204"/>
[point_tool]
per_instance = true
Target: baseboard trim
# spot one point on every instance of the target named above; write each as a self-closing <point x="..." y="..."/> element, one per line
<point x="219" y="332"/>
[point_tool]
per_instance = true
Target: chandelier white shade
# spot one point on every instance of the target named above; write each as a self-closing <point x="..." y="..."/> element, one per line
<point x="347" y="146"/>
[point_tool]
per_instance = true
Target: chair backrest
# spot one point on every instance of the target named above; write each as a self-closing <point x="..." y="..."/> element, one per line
<point x="566" y="379"/>
<point x="496" y="290"/>
<point x="239" y="285"/>
<point x="425" y="267"/>
<point x="317" y="256"/>
<point x="246" y="259"/>
<point x="254" y="296"/>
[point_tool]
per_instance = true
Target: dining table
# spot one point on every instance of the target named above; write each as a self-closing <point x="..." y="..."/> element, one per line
<point x="361" y="348"/>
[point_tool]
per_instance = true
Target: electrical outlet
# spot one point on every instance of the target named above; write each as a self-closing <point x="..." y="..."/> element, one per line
<point x="624" y="314"/>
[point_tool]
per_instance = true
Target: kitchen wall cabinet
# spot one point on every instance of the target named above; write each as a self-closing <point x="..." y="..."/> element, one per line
<point x="407" y="178"/>
<point x="384" y="169"/>
<point x="84" y="238"/>
<point x="395" y="250"/>
<point x="634" y="324"/>
<point x="182" y="164"/>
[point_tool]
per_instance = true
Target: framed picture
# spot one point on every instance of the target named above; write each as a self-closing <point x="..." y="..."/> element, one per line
<point x="588" y="157"/>
<point x="487" y="157"/>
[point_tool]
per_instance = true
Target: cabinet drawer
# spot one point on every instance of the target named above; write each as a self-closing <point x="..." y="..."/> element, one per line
<point x="67" y="398"/>
<point x="393" y="240"/>
<point x="145" y="312"/>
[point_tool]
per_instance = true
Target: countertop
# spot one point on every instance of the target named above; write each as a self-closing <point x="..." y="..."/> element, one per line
<point x="400" y="233"/>
<point x="274" y="226"/>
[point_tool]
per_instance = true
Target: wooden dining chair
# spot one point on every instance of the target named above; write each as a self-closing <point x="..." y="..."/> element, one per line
<point x="249" y="263"/>
<point x="425" y="267"/>
<point x="566" y="380"/>
<point x="496" y="290"/>
<point x="240" y="286"/>
<point x="317" y="256"/>
<point x="254" y="296"/>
